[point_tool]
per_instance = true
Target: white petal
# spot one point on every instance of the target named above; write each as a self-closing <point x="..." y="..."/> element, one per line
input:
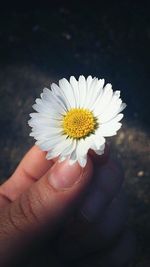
<point x="89" y="81"/>
<point x="94" y="142"/>
<point x="50" y="115"/>
<point x="83" y="146"/>
<point x="103" y="100"/>
<point x="47" y="130"/>
<point x="111" y="112"/>
<point x="97" y="92"/>
<point x="60" y="95"/>
<point x="98" y="141"/>
<point x="117" y="118"/>
<point x="90" y="90"/>
<point x="74" y="84"/>
<point x="109" y="129"/>
<point x="61" y="158"/>
<point x="113" y="109"/>
<point x="46" y="145"/>
<point x="54" y="104"/>
<point x="82" y="161"/>
<point x="51" y="155"/>
<point x="45" y="121"/>
<point x="46" y="109"/>
<point x="73" y="157"/>
<point x="70" y="148"/>
<point x="67" y="91"/>
<point x="46" y="95"/>
<point x="41" y="122"/>
<point x="82" y="90"/>
<point x="53" y="98"/>
<point x="122" y="107"/>
<point x="59" y="148"/>
<point x="41" y="108"/>
<point x="40" y="134"/>
<point x="39" y="115"/>
<point x="100" y="151"/>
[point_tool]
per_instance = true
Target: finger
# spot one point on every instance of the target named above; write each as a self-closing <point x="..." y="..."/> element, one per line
<point x="105" y="185"/>
<point x="100" y="159"/>
<point x="120" y="254"/>
<point x="32" y="167"/>
<point x="82" y="238"/>
<point x="43" y="206"/>
<point x="123" y="253"/>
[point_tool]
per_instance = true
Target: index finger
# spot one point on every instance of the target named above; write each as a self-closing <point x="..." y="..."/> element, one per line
<point x="106" y="183"/>
<point x="31" y="168"/>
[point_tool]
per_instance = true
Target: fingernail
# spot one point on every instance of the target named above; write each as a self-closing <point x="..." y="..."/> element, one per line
<point x="64" y="175"/>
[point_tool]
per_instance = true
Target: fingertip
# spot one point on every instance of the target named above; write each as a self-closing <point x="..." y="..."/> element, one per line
<point x="88" y="169"/>
<point x="106" y="184"/>
<point x="100" y="159"/>
<point x="64" y="175"/>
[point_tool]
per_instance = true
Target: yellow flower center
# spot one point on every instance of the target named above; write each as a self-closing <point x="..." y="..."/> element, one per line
<point x="79" y="123"/>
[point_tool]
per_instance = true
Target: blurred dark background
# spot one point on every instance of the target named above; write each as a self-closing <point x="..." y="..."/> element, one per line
<point x="108" y="39"/>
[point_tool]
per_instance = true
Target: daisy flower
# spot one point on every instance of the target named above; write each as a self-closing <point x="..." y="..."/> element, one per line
<point x="74" y="117"/>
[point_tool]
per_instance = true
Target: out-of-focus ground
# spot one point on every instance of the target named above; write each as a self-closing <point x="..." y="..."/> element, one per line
<point x="41" y="45"/>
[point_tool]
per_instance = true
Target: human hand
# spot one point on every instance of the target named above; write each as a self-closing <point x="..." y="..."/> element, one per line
<point x="41" y="194"/>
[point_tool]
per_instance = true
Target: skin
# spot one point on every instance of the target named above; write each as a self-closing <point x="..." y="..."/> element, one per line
<point x="82" y="211"/>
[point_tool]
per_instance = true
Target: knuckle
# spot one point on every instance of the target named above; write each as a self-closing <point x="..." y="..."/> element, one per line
<point x="34" y="205"/>
<point x="21" y="216"/>
<point x="14" y="220"/>
<point x="27" y="208"/>
<point x="31" y="210"/>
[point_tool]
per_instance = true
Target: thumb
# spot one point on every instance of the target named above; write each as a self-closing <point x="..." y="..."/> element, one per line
<point x="43" y="206"/>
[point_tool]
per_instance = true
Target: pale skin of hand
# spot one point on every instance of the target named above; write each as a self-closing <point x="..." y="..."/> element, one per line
<point x="41" y="194"/>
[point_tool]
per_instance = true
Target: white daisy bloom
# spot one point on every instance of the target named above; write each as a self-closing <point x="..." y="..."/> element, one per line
<point x="76" y="116"/>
